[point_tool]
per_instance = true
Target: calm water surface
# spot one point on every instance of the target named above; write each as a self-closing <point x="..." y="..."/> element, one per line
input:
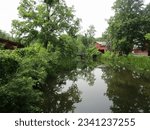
<point x="102" y="89"/>
<point x="93" y="96"/>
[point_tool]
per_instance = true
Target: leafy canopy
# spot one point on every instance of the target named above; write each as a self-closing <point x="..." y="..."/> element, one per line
<point x="45" y="20"/>
<point x="128" y="26"/>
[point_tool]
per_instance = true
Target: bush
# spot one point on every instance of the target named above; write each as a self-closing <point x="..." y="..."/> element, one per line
<point x="19" y="96"/>
<point x="20" y="71"/>
<point x="138" y="64"/>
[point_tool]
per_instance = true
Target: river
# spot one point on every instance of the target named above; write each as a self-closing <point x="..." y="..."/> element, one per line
<point x="98" y="89"/>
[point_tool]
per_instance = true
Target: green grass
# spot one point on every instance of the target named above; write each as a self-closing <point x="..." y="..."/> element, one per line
<point x="137" y="64"/>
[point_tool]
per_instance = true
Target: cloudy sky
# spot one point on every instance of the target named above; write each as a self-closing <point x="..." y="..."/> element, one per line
<point x="92" y="12"/>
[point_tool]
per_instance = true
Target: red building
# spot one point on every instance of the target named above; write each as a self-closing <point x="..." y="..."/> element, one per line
<point x="101" y="46"/>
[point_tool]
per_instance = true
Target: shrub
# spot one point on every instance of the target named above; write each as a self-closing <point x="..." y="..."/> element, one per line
<point x="138" y="64"/>
<point x="20" y="71"/>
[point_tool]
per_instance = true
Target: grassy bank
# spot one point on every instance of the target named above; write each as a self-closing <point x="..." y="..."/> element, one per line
<point x="138" y="64"/>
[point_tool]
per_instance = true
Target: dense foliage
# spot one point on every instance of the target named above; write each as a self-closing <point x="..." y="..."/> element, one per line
<point x="45" y="21"/>
<point x="31" y="79"/>
<point x="20" y="71"/>
<point x="140" y="65"/>
<point x="128" y="26"/>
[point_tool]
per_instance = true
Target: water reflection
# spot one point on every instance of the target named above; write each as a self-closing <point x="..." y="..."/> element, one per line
<point x="86" y="87"/>
<point x="84" y="71"/>
<point x="128" y="92"/>
<point x="112" y="91"/>
<point x="59" y="99"/>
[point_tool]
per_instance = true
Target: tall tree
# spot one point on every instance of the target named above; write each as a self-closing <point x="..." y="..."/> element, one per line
<point x="91" y="31"/>
<point x="88" y="37"/>
<point x="146" y="28"/>
<point x="123" y="29"/>
<point x="147" y="37"/>
<point x="45" y="20"/>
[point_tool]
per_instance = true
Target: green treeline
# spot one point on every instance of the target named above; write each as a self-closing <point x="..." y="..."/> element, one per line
<point x="128" y="27"/>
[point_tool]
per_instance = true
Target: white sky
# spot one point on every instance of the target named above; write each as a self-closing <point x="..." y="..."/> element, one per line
<point x="92" y="12"/>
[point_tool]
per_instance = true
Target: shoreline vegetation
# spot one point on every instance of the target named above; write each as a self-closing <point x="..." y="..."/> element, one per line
<point x="140" y="65"/>
<point x="27" y="74"/>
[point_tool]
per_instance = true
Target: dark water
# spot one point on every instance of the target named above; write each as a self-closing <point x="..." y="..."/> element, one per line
<point x="93" y="94"/>
<point x="98" y="89"/>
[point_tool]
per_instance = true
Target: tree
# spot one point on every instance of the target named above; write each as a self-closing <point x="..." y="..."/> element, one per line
<point x="68" y="46"/>
<point x="90" y="34"/>
<point x="146" y="27"/>
<point x="5" y="35"/>
<point x="91" y="31"/>
<point x="107" y="39"/>
<point x="88" y="37"/>
<point x="45" y="21"/>
<point x="147" y="37"/>
<point x="124" y="27"/>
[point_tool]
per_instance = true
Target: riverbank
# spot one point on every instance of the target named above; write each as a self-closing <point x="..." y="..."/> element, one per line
<point x="140" y="65"/>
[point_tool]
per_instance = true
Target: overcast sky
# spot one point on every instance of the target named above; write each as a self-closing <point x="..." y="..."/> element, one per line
<point x="92" y="12"/>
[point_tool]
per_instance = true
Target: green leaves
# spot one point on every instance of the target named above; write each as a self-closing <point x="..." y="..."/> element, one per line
<point x="128" y="26"/>
<point x="20" y="71"/>
<point x="8" y="68"/>
<point x="19" y="96"/>
<point x="50" y="2"/>
<point x="29" y="62"/>
<point x="147" y="36"/>
<point x="44" y="21"/>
